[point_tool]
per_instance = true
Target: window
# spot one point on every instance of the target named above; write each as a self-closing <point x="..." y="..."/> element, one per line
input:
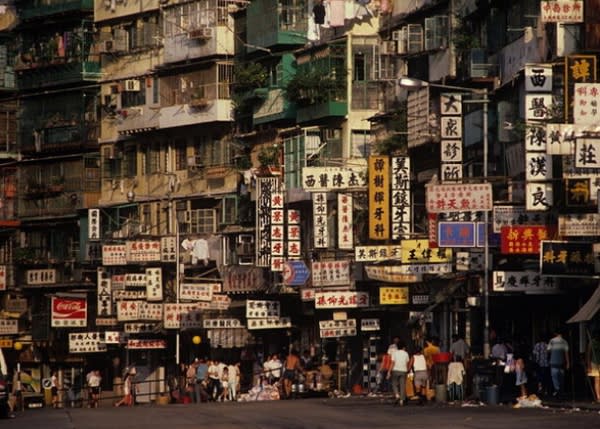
<point x="436" y="32"/>
<point x="360" y="143"/>
<point x="202" y="221"/>
<point x="129" y="161"/>
<point x="180" y="154"/>
<point x="360" y="67"/>
<point x="213" y="152"/>
<point x="293" y="156"/>
<point x="153" y="164"/>
<point x="133" y="94"/>
<point x="229" y="210"/>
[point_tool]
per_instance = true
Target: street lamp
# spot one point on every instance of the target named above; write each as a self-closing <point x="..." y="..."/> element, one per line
<point x="412" y="83"/>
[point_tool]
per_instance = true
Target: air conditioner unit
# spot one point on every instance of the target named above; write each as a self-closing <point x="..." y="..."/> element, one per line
<point x="388" y="47"/>
<point x="132" y="85"/>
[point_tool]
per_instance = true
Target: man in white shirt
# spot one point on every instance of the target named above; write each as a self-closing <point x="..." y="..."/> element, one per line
<point x="214" y="386"/>
<point x="398" y="371"/>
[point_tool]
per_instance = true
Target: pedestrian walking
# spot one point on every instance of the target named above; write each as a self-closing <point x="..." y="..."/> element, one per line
<point x="542" y="366"/>
<point x="94" y="381"/>
<point x="399" y="370"/>
<point x="127" y="398"/>
<point x="521" y="377"/>
<point x="54" y="389"/>
<point x="593" y="359"/>
<point x="559" y="362"/>
<point x="418" y="364"/>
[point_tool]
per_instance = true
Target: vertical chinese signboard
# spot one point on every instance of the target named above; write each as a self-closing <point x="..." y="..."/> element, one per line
<point x="451" y="133"/>
<point x="266" y="189"/>
<point x="320" y="228"/>
<point x="293" y="234"/>
<point x="345" y="221"/>
<point x="379" y="196"/>
<point x="401" y="197"/>
<point x="94" y="224"/>
<point x="277" y="231"/>
<point x="579" y="69"/>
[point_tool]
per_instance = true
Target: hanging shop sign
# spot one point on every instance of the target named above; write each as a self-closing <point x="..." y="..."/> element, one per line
<point x="568" y="259"/>
<point x="562" y="11"/>
<point x="320" y="220"/>
<point x="240" y="279"/>
<point x="86" y="342"/>
<point x="270" y="323"/>
<point x="266" y="188"/>
<point x="106" y="321"/>
<point x="142" y="251"/>
<point x="341" y="299"/>
<point x="337" y="328"/>
<point x="379" y="197"/>
<point x="3" y="277"/>
<point x="586" y="224"/>
<point x="146" y="344"/>
<point x="393" y="295"/>
<point x="324" y="179"/>
<point x="517" y="215"/>
<point x="104" y="292"/>
<point x="391" y="274"/>
<point x="114" y="254"/>
<point x="68" y="312"/>
<point x="293" y="237"/>
<point x="560" y="138"/>
<point x="15" y="305"/>
<point x="6" y="343"/>
<point x="94" y="224"/>
<point x="295" y="273"/>
<point x="40" y="277"/>
<point x="345" y="218"/>
<point x="154" y="290"/>
<point x="140" y="328"/>
<point x="458" y="197"/>
<point x="418" y="251"/>
<point x="369" y="325"/>
<point x="577" y="192"/>
<point x="587" y="152"/>
<point x="229" y="337"/>
<point x="150" y="310"/>
<point x="570" y="171"/>
<point x="220" y="302"/>
<point x="196" y="291"/>
<point x="456" y="234"/>
<point x="578" y="69"/>
<point x="523" y="281"/>
<point x="585" y="101"/>
<point x="221" y="323"/>
<point x="523" y="239"/>
<point x="307" y="294"/>
<point x="9" y="327"/>
<point x="377" y="253"/>
<point x="277" y="231"/>
<point x="539" y="196"/>
<point x="181" y="316"/>
<point x="330" y="273"/>
<point x="470" y="261"/>
<point x="135" y="280"/>
<point x="129" y="294"/>
<point x="168" y="249"/>
<point x="114" y="337"/>
<point x="262" y="309"/>
<point x="401" y="197"/>
<point x="128" y="310"/>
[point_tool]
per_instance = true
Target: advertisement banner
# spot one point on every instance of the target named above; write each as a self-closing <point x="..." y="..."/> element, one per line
<point x="68" y="312"/>
<point x="379" y="197"/>
<point x="341" y="299"/>
<point x="523" y="281"/>
<point x="324" y="179"/>
<point x="562" y="11"/>
<point x="568" y="259"/>
<point x="458" y="197"/>
<point x="523" y="239"/>
<point x="393" y="295"/>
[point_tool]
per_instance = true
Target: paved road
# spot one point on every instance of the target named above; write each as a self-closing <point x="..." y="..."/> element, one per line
<point x="309" y="413"/>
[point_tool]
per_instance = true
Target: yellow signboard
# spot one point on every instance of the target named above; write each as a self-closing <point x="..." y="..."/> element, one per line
<point x="6" y="343"/>
<point x="578" y="69"/>
<point x="393" y="295"/>
<point x="419" y="252"/>
<point x="379" y="197"/>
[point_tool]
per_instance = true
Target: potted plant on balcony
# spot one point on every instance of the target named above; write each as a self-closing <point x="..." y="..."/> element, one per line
<point x="57" y="184"/>
<point x="269" y="160"/>
<point x="197" y="99"/>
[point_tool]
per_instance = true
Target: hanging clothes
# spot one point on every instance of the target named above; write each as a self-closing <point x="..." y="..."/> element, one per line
<point x="338" y="9"/>
<point x="200" y="251"/>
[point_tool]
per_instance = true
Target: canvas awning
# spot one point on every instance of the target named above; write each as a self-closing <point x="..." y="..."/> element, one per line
<point x="588" y="310"/>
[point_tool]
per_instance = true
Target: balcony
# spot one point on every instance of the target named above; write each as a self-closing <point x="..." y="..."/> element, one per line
<point x="274" y="107"/>
<point x="319" y="112"/>
<point x="48" y="74"/>
<point x="198" y="43"/>
<point x="31" y="9"/>
<point x="271" y="23"/>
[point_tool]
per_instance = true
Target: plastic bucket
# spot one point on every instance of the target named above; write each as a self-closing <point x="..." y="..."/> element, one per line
<point x="441" y="393"/>
<point x="492" y="393"/>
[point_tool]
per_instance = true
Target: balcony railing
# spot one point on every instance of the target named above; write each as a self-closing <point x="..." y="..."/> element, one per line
<point x="40" y="8"/>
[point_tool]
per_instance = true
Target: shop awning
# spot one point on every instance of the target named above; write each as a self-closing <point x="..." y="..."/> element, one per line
<point x="588" y="310"/>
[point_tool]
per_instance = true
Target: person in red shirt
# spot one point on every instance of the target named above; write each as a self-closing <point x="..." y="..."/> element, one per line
<point x="384" y="368"/>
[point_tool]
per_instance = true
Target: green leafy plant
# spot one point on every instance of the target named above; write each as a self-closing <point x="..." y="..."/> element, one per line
<point x="269" y="156"/>
<point x="314" y="87"/>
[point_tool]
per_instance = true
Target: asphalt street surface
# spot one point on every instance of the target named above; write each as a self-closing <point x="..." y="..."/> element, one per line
<point x="307" y="413"/>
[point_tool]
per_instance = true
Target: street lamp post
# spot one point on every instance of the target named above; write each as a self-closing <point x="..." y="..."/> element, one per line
<point x="408" y="83"/>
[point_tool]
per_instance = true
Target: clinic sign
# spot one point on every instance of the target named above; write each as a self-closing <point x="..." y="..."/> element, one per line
<point x="458" y="197"/>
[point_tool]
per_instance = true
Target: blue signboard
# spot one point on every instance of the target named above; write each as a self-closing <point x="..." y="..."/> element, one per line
<point x="295" y="273"/>
<point x="456" y="234"/>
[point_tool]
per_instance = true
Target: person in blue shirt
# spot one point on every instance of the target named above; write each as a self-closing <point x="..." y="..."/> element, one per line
<point x="559" y="361"/>
<point x="201" y="395"/>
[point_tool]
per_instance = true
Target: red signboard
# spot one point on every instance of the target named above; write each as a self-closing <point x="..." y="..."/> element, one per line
<point x="523" y="239"/>
<point x="68" y="312"/>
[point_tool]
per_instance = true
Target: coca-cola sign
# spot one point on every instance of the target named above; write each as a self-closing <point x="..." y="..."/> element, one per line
<point x="69" y="312"/>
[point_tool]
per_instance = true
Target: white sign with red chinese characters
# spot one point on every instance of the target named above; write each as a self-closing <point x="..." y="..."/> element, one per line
<point x="114" y="254"/>
<point x="180" y="316"/>
<point x="458" y="197"/>
<point x="2" y="277"/>
<point x="323" y="179"/>
<point x="378" y="253"/>
<point x="586" y="99"/>
<point x="307" y="294"/>
<point x="523" y="281"/>
<point x="330" y="273"/>
<point x="220" y="302"/>
<point x="262" y="309"/>
<point x="143" y="251"/>
<point x="196" y="291"/>
<point x="118" y="281"/>
<point x="128" y="310"/>
<point x="341" y="299"/>
<point x="106" y="321"/>
<point x="150" y="311"/>
<point x="562" y="11"/>
<point x="86" y="342"/>
<point x="331" y="324"/>
<point x="40" y="277"/>
<point x="104" y="292"/>
<point x="345" y="220"/>
<point x="270" y="323"/>
<point x="9" y="327"/>
<point x="113" y="337"/>
<point x="277" y="232"/>
<point x="146" y="344"/>
<point x="294" y="244"/>
<point x="154" y="289"/>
